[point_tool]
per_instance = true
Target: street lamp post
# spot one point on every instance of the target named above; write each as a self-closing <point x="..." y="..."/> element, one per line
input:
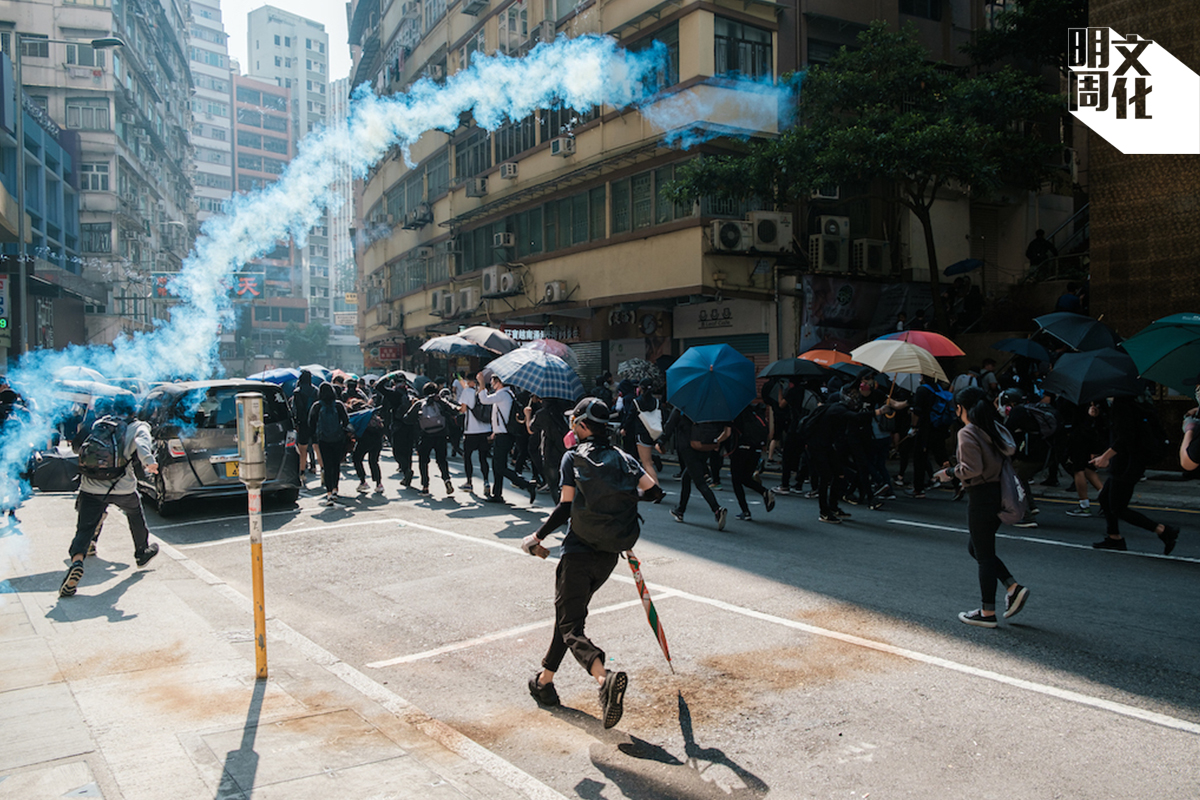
<point x="22" y="269"/>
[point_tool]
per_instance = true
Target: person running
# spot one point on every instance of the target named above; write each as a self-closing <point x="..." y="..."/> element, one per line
<point x="751" y="432"/>
<point x="1131" y="442"/>
<point x="983" y="446"/>
<point x="398" y="398"/>
<point x="1085" y="434"/>
<point x="601" y="487"/>
<point x="504" y="418"/>
<point x="368" y="427"/>
<point x="693" y="443"/>
<point x="477" y="433"/>
<point x="106" y="452"/>
<point x="431" y="416"/>
<point x="328" y="420"/>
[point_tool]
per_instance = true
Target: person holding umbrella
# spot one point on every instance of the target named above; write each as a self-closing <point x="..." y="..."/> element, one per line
<point x="693" y="457"/>
<point x="501" y="400"/>
<point x="983" y="447"/>
<point x="601" y="487"/>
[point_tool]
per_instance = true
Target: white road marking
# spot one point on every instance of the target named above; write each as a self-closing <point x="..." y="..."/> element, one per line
<point x="287" y="532"/>
<point x="1038" y="540"/>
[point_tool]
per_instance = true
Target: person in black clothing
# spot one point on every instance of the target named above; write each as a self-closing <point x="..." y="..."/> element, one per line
<point x="303" y="397"/>
<point x="398" y="399"/>
<point x="601" y="487"/>
<point x="431" y="417"/>
<point x="1130" y="431"/>
<point x="547" y="430"/>
<point x="626" y="413"/>
<point x="520" y="433"/>
<point x="502" y="401"/>
<point x="368" y="445"/>
<point x="687" y="435"/>
<point x="1040" y="250"/>
<point x="454" y="425"/>
<point x="825" y="443"/>
<point x="328" y="421"/>
<point x="1086" y="435"/>
<point x="928" y="435"/>
<point x="1022" y="423"/>
<point x="857" y="443"/>
<point x="795" y="404"/>
<point x="750" y="432"/>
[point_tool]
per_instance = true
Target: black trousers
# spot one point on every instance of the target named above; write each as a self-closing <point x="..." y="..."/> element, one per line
<point x="695" y="470"/>
<point x="826" y="470"/>
<point x="435" y="443"/>
<point x="501" y="446"/>
<point x="983" y="508"/>
<point x="742" y="463"/>
<point x="1116" y="494"/>
<point x="578" y="577"/>
<point x="402" y="449"/>
<point x="91" y="508"/>
<point x="369" y="446"/>
<point x="332" y="454"/>
<point x="477" y="443"/>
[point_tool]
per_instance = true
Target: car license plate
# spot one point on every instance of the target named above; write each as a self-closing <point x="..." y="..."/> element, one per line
<point x="231" y="469"/>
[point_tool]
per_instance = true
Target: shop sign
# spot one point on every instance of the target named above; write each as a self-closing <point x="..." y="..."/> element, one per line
<point x="389" y="352"/>
<point x="528" y="334"/>
<point x="729" y="317"/>
<point x="348" y="318"/>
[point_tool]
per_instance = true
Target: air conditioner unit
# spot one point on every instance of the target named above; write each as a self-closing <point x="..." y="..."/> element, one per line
<point x="504" y="240"/>
<point x="508" y="170"/>
<point x="869" y="256"/>
<point x="546" y="30"/>
<point x="556" y="291"/>
<point x="826" y="193"/>
<point x="835" y="226"/>
<point x="490" y="284"/>
<point x="828" y="253"/>
<point x="772" y="230"/>
<point x="563" y="146"/>
<point x="472" y="7"/>
<point x="477" y="187"/>
<point x="128" y="119"/>
<point x="433" y="72"/>
<point x="424" y="252"/>
<point x="510" y="283"/>
<point x="436" y="302"/>
<point x="468" y="300"/>
<point x="410" y="11"/>
<point x="732" y="235"/>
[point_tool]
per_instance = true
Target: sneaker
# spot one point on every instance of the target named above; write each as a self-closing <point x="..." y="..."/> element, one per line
<point x="1169" y="536"/>
<point x="1034" y="511"/>
<point x="494" y="498"/>
<point x="716" y="487"/>
<point x="468" y="487"/>
<point x="73" y="576"/>
<point x="612" y="697"/>
<point x="850" y="499"/>
<point x="1080" y="511"/>
<point x="842" y="514"/>
<point x="363" y="488"/>
<point x="830" y="518"/>
<point x="917" y="495"/>
<point x="91" y="548"/>
<point x="721" y="514"/>
<point x="783" y="490"/>
<point x="143" y="558"/>
<point x="1015" y="600"/>
<point x="1108" y="543"/>
<point x="449" y="487"/>
<point x="899" y="481"/>
<point x="769" y="500"/>
<point x="1027" y="522"/>
<point x="407" y="482"/>
<point x="744" y="516"/>
<point x="976" y="617"/>
<point x="813" y="495"/>
<point x="875" y="505"/>
<point x="424" y="489"/>
<point x="545" y="695"/>
<point x="379" y="488"/>
<point x="677" y="514"/>
<point x="532" y="494"/>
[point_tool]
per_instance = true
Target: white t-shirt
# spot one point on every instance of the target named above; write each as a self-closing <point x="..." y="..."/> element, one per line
<point x="468" y="397"/>
<point x="501" y="403"/>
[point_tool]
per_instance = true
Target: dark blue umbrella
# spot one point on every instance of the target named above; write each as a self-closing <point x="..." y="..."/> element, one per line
<point x="711" y="383"/>
<point x="961" y="267"/>
<point x="538" y="373"/>
<point x="320" y="374"/>
<point x="279" y="376"/>
<point x="1022" y="347"/>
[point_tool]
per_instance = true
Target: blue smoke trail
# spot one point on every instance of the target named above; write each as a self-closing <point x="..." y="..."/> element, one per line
<point x="581" y="73"/>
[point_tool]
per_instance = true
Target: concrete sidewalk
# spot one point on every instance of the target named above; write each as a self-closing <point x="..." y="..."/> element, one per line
<point x="143" y="686"/>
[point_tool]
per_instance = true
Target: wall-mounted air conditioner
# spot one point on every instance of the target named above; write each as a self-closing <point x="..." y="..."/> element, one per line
<point x="477" y="187"/>
<point x="490" y="283"/>
<point x="510" y="283"/>
<point x="772" y="230"/>
<point x="508" y="170"/>
<point x="835" y="226"/>
<point x="424" y="252"/>
<point x="546" y="30"/>
<point x="128" y="119"/>
<point x="732" y="235"/>
<point x="449" y="303"/>
<point x="433" y="72"/>
<point x="563" y="146"/>
<point x="828" y="253"/>
<point x="869" y="256"/>
<point x="826" y="193"/>
<point x="436" y="302"/>
<point x="556" y="292"/>
<point x="468" y="300"/>
<point x="504" y="239"/>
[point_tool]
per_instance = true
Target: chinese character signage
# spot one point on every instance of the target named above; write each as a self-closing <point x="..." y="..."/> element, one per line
<point x="389" y="352"/>
<point x="159" y="284"/>
<point x="351" y="298"/>
<point x="1134" y="93"/>
<point x="246" y="285"/>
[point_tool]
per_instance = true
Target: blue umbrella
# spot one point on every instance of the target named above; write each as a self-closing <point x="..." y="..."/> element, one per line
<point x="1022" y="347"/>
<point x="960" y="267"/>
<point x="280" y="377"/>
<point x="453" y="345"/>
<point x="711" y="383"/>
<point x="538" y="373"/>
<point x="320" y="374"/>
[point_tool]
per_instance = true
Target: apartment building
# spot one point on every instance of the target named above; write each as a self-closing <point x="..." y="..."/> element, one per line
<point x="130" y="108"/>
<point x="212" y="104"/>
<point x="344" y="346"/>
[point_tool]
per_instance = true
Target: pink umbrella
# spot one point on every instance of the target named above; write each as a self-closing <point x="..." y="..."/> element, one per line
<point x="935" y="343"/>
<point x="556" y="348"/>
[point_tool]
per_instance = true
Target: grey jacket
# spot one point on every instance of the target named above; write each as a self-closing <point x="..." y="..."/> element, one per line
<point x="979" y="458"/>
<point x="137" y="442"/>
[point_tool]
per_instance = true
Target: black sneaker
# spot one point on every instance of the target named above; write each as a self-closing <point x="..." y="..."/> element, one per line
<point x="842" y="514"/>
<point x="1027" y="522"/>
<point x="1108" y="543"/>
<point x="1169" y="536"/>
<point x="1015" y="600"/>
<point x="744" y="516"/>
<point x="833" y="518"/>
<point x="71" y="580"/>
<point x="532" y="493"/>
<point x="721" y="514"/>
<point x="143" y="558"/>
<point x="784" y="490"/>
<point x="612" y="697"/>
<point x="494" y="498"/>
<point x="875" y="505"/>
<point x="977" y="618"/>
<point x="545" y="695"/>
<point x="449" y="487"/>
<point x="769" y="500"/>
<point x="677" y="514"/>
<point x="852" y="500"/>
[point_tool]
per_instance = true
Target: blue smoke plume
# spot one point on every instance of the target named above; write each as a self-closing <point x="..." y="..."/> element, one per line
<point x="581" y="73"/>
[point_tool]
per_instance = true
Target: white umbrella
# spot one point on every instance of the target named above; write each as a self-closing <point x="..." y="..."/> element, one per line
<point x="78" y="374"/>
<point x="490" y="339"/>
<point x="892" y="355"/>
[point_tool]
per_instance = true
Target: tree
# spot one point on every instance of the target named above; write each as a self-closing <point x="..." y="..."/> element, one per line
<point x="306" y="344"/>
<point x="885" y="111"/>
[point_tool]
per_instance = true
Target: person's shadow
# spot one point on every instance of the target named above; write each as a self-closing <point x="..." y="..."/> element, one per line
<point x="85" y="605"/>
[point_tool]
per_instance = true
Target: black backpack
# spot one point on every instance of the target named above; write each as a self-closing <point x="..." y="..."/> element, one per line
<point x="810" y="422"/>
<point x="753" y="429"/>
<point x="102" y="454"/>
<point x="604" y="513"/>
<point x="431" y="419"/>
<point x="481" y="412"/>
<point x="1152" y="437"/>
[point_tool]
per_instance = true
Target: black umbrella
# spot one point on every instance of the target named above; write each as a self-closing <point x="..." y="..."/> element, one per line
<point x="1077" y="331"/>
<point x="1095" y="374"/>
<point x="855" y="371"/>
<point x="1022" y="347"/>
<point x="794" y="368"/>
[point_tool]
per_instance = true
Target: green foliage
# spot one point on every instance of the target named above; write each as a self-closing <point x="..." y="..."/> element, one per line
<point x="306" y="344"/>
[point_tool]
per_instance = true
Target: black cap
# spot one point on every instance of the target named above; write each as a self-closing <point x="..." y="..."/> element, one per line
<point x="592" y="409"/>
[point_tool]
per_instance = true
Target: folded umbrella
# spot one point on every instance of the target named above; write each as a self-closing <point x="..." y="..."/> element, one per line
<point x="490" y="339"/>
<point x="1077" y="331"/>
<point x="1168" y="351"/>
<point x="794" y="368"/>
<point x="939" y="345"/>
<point x="890" y="355"/>
<point x="538" y="373"/>
<point x="1022" y="347"/>
<point x="711" y="383"/>
<point x="1093" y="375"/>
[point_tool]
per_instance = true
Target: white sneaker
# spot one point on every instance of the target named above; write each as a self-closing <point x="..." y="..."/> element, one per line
<point x="379" y="488"/>
<point x="363" y="488"/>
<point x="467" y="487"/>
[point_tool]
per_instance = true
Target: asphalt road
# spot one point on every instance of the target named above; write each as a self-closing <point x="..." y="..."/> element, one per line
<point x="809" y="660"/>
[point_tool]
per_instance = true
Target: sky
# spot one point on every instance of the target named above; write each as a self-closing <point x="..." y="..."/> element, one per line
<point x="330" y="13"/>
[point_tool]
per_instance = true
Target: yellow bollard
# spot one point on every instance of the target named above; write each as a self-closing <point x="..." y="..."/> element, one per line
<point x="252" y="470"/>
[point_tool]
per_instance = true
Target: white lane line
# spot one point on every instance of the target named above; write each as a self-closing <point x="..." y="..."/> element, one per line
<point x="1038" y="540"/>
<point x="511" y="632"/>
<point x="288" y="532"/>
<point x="214" y="520"/>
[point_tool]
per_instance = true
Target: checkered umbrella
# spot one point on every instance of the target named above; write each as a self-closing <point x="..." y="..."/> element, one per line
<point x="538" y="373"/>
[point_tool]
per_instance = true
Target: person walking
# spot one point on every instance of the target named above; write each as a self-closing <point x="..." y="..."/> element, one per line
<point x="477" y="433"/>
<point x="693" y="454"/>
<point x="431" y="416"/>
<point x="303" y="397"/>
<point x="750" y="434"/>
<point x="328" y="420"/>
<point x="983" y="447"/>
<point x="601" y="487"/>
<point x="398" y="399"/>
<point x="502" y="399"/>
<point x="106" y="452"/>
<point x="1133" y="442"/>
<point x="368" y="444"/>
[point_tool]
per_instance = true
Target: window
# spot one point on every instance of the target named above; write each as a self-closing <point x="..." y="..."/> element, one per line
<point x="278" y="61"/>
<point x="95" y="237"/>
<point x="276" y="40"/>
<point x="515" y="137"/>
<point x="87" y="113"/>
<point x="308" y="65"/>
<point x="84" y="55"/>
<point x="473" y="156"/>
<point x="320" y="47"/>
<point x="287" y="62"/>
<point x="250" y="183"/>
<point x="245" y="95"/>
<point x="273" y="165"/>
<point x="274" y="123"/>
<point x="287" y="41"/>
<point x="93" y="177"/>
<point x="742" y="49"/>
<point x="670" y="37"/>
<point x="249" y="140"/>
<point x="558" y="121"/>
<point x="217" y="133"/>
<point x="928" y="9"/>
<point x="438" y="171"/>
<point x="620" y="206"/>
<point x="32" y="48"/>
<point x="274" y="102"/>
<point x="308" y="44"/>
<point x="249" y="161"/>
<point x="248" y="116"/>
<point x="274" y="145"/>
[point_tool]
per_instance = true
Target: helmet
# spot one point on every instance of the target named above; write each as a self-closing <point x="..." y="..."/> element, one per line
<point x="1012" y="397"/>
